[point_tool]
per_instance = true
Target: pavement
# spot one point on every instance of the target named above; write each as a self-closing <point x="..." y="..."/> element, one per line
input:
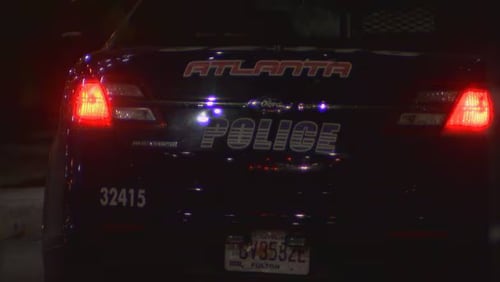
<point x="21" y="213"/>
<point x="23" y="167"/>
<point x="21" y="260"/>
<point x="23" y="162"/>
<point x="20" y="234"/>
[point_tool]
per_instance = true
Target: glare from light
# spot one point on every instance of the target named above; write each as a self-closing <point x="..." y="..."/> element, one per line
<point x="211" y="100"/>
<point x="203" y="118"/>
<point x="304" y="167"/>
<point x="322" y="107"/>
<point x="218" y="111"/>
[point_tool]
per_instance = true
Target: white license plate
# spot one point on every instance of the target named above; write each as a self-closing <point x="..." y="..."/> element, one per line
<point x="267" y="253"/>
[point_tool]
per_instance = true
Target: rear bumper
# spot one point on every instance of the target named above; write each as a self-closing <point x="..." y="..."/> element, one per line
<point x="200" y="256"/>
<point x="390" y="216"/>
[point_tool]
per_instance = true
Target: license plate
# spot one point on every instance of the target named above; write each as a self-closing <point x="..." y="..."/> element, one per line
<point x="268" y="253"/>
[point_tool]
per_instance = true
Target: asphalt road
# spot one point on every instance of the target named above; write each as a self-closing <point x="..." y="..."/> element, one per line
<point x="20" y="260"/>
<point x="20" y="245"/>
<point x="23" y="165"/>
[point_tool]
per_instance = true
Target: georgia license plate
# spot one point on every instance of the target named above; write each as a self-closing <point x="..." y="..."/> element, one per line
<point x="267" y="253"/>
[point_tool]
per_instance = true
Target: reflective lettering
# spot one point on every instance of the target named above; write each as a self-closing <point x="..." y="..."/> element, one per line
<point x="303" y="136"/>
<point x="199" y="67"/>
<point x="216" y="128"/>
<point x="221" y="65"/>
<point x="237" y="70"/>
<point x="295" y="65"/>
<point x="261" y="142"/>
<point x="241" y="133"/>
<point x="314" y="67"/>
<point x="327" y="138"/>
<point x="122" y="197"/>
<point x="271" y="67"/>
<point x="343" y="69"/>
<point x="282" y="135"/>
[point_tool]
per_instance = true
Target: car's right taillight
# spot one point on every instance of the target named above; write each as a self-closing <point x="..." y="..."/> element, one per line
<point x="91" y="105"/>
<point x="473" y="112"/>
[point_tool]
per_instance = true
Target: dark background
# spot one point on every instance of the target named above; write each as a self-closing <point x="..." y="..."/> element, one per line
<point x="37" y="56"/>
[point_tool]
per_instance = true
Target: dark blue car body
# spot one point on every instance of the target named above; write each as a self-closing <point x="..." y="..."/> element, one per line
<point x="344" y="149"/>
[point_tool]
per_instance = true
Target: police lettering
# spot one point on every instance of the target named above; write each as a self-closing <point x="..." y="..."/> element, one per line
<point x="243" y="133"/>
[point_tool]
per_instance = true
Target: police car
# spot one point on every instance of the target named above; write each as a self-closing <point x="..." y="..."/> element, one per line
<point x="293" y="140"/>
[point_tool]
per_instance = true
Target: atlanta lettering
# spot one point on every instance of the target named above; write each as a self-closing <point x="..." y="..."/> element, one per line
<point x="242" y="133"/>
<point x="311" y="68"/>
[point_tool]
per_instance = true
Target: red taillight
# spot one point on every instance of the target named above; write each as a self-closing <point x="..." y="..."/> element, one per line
<point x="472" y="113"/>
<point x="91" y="106"/>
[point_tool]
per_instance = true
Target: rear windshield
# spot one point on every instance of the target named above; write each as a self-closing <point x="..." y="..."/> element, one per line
<point x="306" y="22"/>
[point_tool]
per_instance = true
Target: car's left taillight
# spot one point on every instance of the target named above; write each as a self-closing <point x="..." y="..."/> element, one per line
<point x="473" y="112"/>
<point x="91" y="106"/>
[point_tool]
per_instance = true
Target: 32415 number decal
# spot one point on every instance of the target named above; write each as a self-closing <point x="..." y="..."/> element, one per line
<point x="122" y="197"/>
